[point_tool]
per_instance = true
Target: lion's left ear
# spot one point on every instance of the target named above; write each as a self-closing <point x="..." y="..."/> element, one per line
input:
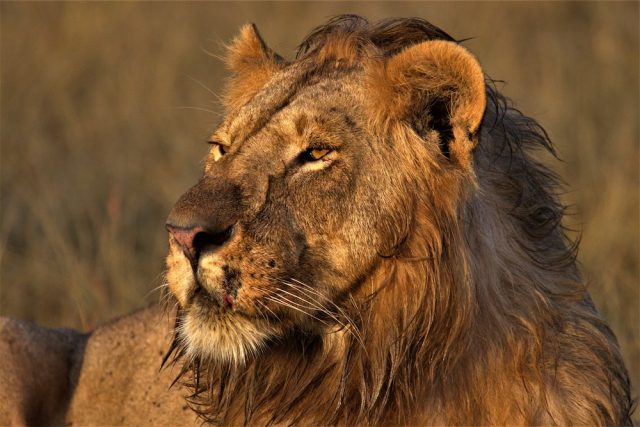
<point x="432" y="86"/>
<point x="252" y="63"/>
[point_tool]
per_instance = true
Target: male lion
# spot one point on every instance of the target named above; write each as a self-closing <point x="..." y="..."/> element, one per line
<point x="370" y="243"/>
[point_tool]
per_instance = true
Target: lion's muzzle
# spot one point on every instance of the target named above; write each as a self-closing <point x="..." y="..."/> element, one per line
<point x="204" y="217"/>
<point x="193" y="240"/>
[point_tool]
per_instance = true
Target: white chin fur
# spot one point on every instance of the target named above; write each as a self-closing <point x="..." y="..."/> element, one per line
<point x="227" y="339"/>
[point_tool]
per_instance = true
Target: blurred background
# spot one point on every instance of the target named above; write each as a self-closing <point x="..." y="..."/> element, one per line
<point x="105" y="108"/>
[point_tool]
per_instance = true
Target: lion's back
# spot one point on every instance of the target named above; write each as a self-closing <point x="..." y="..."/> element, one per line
<point x="121" y="382"/>
<point x="110" y="376"/>
<point x="35" y="372"/>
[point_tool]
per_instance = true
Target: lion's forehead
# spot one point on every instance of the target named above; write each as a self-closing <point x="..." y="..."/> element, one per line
<point x="295" y="91"/>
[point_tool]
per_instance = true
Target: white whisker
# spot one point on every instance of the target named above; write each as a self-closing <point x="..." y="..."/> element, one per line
<point x="287" y="303"/>
<point x="265" y="306"/>
<point x="355" y="332"/>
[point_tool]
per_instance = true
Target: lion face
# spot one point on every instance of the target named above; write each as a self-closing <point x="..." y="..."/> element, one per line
<point x="300" y="199"/>
<point x="286" y="219"/>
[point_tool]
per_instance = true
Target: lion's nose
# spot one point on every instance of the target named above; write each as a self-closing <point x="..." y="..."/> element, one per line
<point x="194" y="239"/>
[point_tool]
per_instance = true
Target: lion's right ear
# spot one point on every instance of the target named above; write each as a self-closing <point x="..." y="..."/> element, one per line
<point x="436" y="87"/>
<point x="252" y="64"/>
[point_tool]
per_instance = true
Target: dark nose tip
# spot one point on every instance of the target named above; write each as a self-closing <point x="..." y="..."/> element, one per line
<point x="195" y="239"/>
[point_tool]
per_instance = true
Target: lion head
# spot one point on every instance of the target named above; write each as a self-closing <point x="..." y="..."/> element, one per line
<point x="371" y="242"/>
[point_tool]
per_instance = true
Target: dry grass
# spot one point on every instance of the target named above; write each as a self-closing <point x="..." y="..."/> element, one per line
<point x="104" y="114"/>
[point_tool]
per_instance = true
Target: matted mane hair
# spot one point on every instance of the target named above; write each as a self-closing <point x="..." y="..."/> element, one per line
<point x="476" y="301"/>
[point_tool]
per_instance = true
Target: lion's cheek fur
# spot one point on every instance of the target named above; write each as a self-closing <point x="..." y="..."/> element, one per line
<point x="210" y="273"/>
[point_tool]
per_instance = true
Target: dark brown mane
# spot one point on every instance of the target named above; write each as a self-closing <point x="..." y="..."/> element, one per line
<point x="389" y="35"/>
<point x="465" y="307"/>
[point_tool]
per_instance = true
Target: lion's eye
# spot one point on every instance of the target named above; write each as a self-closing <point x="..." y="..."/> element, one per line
<point x="315" y="159"/>
<point x="217" y="149"/>
<point x="315" y="154"/>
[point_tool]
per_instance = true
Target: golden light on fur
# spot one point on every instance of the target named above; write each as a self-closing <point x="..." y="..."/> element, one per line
<point x="438" y="70"/>
<point x="226" y="340"/>
<point x="252" y="64"/>
<point x="421" y="276"/>
<point x="377" y="246"/>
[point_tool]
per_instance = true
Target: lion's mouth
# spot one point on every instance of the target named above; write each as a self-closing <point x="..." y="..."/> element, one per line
<point x="215" y="284"/>
<point x="214" y="301"/>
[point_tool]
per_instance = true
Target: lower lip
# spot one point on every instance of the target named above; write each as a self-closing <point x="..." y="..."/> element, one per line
<point x="228" y="300"/>
<point x="215" y="301"/>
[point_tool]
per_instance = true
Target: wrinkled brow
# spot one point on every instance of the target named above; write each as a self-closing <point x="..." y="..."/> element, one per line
<point x="255" y="115"/>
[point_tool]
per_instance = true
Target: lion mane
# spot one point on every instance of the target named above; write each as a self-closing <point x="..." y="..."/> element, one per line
<point x="477" y="315"/>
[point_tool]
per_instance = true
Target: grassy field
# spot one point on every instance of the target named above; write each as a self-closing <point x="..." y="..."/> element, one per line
<point x="105" y="108"/>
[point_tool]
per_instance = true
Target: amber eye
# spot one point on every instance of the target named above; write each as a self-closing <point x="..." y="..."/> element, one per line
<point x="315" y="154"/>
<point x="218" y="149"/>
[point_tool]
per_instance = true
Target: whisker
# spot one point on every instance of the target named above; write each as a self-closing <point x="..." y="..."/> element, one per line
<point x="287" y="303"/>
<point x="354" y="330"/>
<point x="261" y="313"/>
<point x="157" y="288"/>
<point x="315" y="304"/>
<point x="206" y="110"/>
<point x="265" y="306"/>
<point x="316" y="292"/>
<point x="214" y="55"/>
<point x="204" y="86"/>
<point x="319" y="308"/>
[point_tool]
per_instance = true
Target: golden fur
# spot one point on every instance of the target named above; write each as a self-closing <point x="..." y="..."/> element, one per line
<point x="420" y="275"/>
<point x="371" y="242"/>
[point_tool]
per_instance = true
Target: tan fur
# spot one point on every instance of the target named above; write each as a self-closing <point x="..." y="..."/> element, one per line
<point x="435" y="284"/>
<point x="437" y="67"/>
<point x="108" y="377"/>
<point x="252" y="63"/>
<point x="431" y="69"/>
<point x="416" y="274"/>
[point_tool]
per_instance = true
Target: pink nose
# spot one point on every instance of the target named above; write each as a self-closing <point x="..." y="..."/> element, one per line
<point x="185" y="237"/>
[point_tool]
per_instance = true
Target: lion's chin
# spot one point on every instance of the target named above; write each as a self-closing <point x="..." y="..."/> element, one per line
<point x="225" y="339"/>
